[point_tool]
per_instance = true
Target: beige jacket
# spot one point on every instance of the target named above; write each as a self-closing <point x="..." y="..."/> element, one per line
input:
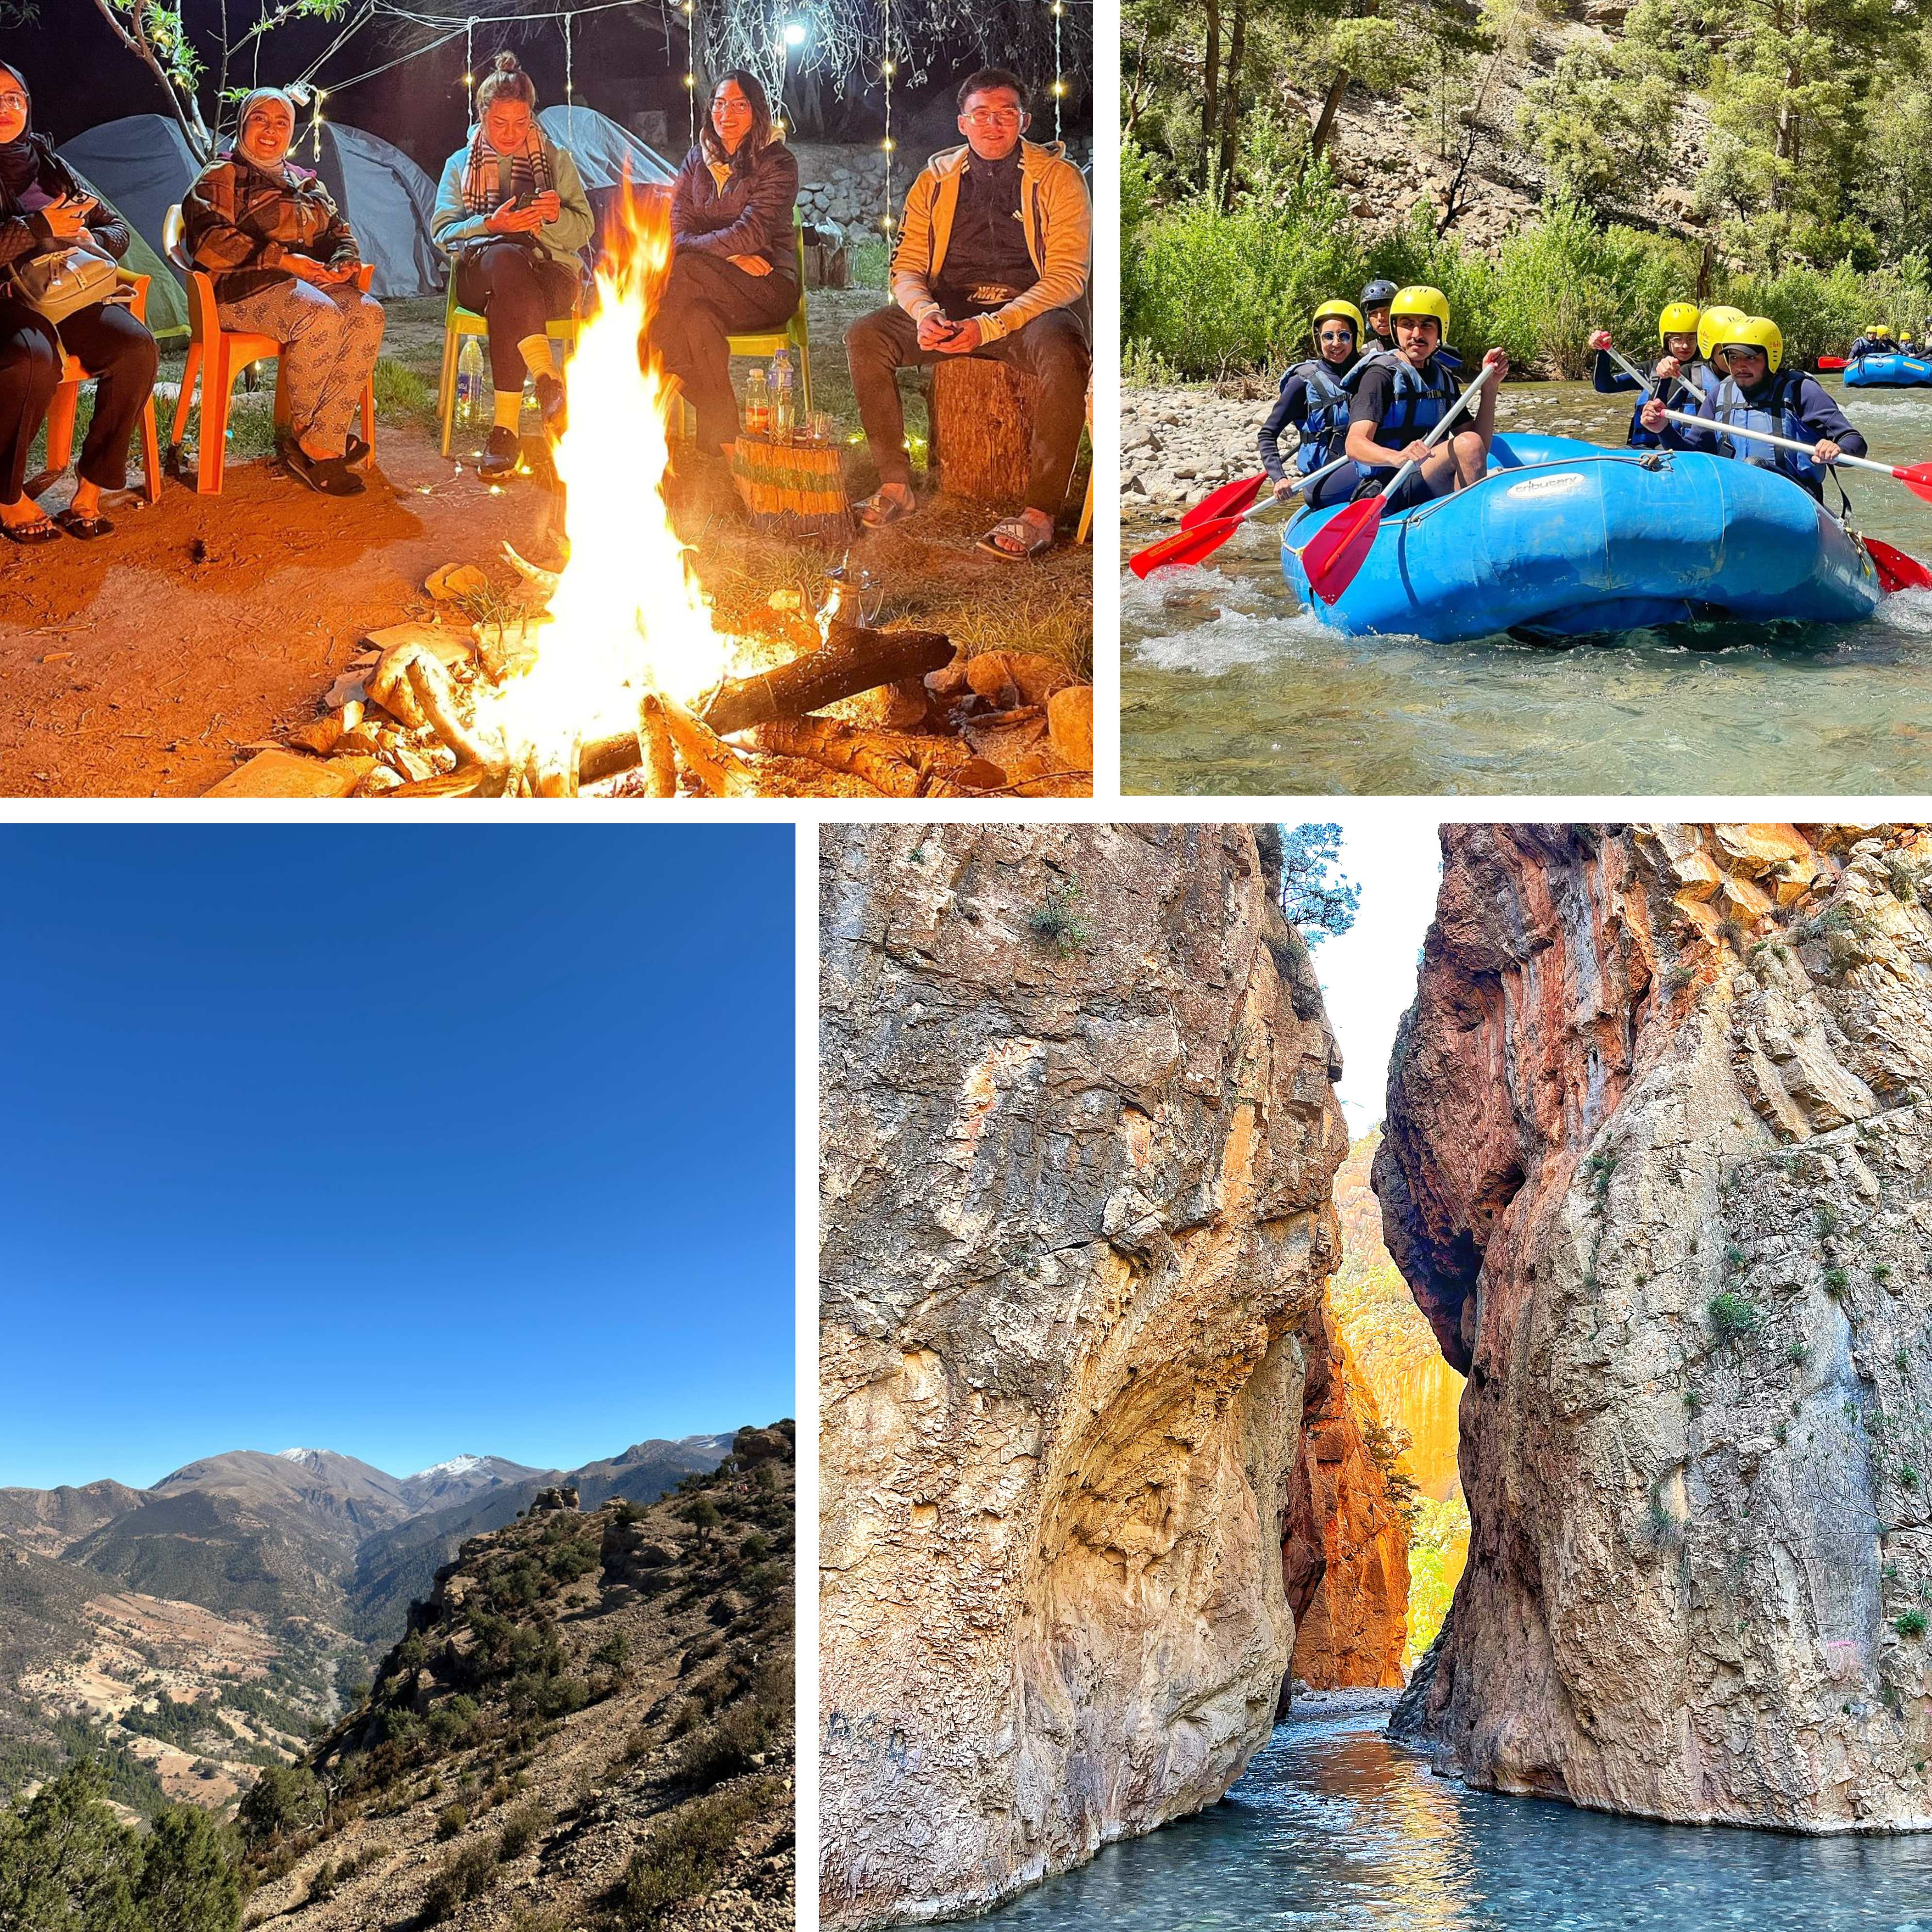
<point x="1054" y="210"/>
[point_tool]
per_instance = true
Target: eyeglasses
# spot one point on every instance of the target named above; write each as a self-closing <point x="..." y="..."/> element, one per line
<point x="1337" y="335"/>
<point x="994" y="117"/>
<point x="17" y="102"/>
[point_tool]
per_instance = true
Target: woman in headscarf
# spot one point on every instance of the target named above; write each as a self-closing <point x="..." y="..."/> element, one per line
<point x="513" y="213"/>
<point x="734" y="270"/>
<point x="45" y="208"/>
<point x="284" y="263"/>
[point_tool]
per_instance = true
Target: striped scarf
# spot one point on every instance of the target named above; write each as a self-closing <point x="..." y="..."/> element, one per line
<point x="483" y="192"/>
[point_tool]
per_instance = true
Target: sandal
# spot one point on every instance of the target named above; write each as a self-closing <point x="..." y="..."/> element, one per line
<point x="85" y="528"/>
<point x="42" y="529"/>
<point x="1025" y="542"/>
<point x="878" y="510"/>
<point x="329" y="474"/>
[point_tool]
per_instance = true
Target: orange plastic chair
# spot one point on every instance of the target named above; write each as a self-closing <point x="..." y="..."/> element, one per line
<point x="218" y="356"/>
<point x="66" y="405"/>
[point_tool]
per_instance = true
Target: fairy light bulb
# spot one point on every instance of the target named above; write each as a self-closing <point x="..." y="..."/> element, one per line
<point x="886" y="68"/>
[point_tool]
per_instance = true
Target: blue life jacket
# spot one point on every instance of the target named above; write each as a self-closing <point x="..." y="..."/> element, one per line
<point x="1325" y="427"/>
<point x="1421" y="399"/>
<point x="1776" y="411"/>
<point x="1697" y="376"/>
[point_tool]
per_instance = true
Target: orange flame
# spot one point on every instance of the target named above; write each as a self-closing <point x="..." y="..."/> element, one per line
<point x="628" y="614"/>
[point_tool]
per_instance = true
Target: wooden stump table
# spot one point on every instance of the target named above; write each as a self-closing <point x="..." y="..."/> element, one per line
<point x="793" y="489"/>
<point x="982" y="428"/>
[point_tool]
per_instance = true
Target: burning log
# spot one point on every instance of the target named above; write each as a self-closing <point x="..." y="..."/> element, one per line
<point x="659" y="759"/>
<point x="706" y="755"/>
<point x="854" y="659"/>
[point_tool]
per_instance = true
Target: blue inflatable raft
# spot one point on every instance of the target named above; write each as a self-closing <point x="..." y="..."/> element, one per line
<point x="1889" y="372"/>
<point x="1563" y="538"/>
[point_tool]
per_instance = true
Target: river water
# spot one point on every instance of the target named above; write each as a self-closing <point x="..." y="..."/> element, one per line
<point x="1334" y="1827"/>
<point x="1228" y="686"/>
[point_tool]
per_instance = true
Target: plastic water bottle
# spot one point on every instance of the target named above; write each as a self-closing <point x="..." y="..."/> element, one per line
<point x="469" y="384"/>
<point x="758" y="405"/>
<point x="785" y="418"/>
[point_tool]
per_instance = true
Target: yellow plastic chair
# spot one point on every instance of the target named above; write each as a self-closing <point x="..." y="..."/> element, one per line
<point x="66" y="404"/>
<point x="794" y="335"/>
<point x="458" y="322"/>
<point x="218" y="356"/>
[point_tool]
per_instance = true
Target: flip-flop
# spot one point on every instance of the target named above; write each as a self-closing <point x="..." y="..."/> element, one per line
<point x="1036" y="543"/>
<point x="42" y="529"/>
<point x="85" y="528"/>
<point x="878" y="510"/>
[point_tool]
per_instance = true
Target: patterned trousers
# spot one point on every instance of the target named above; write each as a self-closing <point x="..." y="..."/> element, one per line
<point x="330" y="338"/>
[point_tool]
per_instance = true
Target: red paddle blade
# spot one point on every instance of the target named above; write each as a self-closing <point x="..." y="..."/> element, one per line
<point x="1831" y="361"/>
<point x="1896" y="570"/>
<point x="1338" y="550"/>
<point x="1193" y="546"/>
<point x="1917" y="478"/>
<point x="1230" y="500"/>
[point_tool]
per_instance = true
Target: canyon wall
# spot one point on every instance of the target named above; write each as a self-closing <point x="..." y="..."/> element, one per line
<point x="1345" y="1554"/>
<point x="1655" y="1168"/>
<point x="1078" y="1134"/>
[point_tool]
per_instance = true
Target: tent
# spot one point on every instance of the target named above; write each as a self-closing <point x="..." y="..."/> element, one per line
<point x="604" y="154"/>
<point x="144" y="166"/>
<point x="388" y="201"/>
<point x="141" y="167"/>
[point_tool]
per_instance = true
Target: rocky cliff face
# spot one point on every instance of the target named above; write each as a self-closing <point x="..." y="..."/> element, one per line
<point x="1078" y="1134"/>
<point x="1345" y="1557"/>
<point x="1657" y="1138"/>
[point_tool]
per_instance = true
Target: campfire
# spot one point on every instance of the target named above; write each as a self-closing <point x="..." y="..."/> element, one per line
<point x="611" y="670"/>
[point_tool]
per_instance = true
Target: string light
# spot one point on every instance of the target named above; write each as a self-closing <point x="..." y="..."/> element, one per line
<point x="690" y="64"/>
<point x="569" y="85"/>
<point x="469" y="66"/>
<point x="1059" y="81"/>
<point x="886" y="69"/>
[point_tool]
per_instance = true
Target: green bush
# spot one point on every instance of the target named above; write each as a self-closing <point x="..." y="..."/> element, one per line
<point x="467" y="1875"/>
<point x="522" y="1827"/>
<point x="1734" y="1316"/>
<point x="686" y="1855"/>
<point x="1911" y="1623"/>
<point x="450" y="1820"/>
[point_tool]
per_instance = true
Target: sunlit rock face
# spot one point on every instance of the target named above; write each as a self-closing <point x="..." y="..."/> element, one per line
<point x="1416" y="1392"/>
<point x="1656" y="1137"/>
<point x="1078" y="1134"/>
<point x="1344" y="1558"/>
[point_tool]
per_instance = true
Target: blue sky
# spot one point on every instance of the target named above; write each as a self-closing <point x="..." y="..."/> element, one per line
<point x="404" y="1141"/>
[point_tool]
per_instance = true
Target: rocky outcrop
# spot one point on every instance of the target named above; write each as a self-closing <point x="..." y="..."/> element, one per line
<point x="1344" y="1558"/>
<point x="1079" y="1133"/>
<point x="1656" y="1135"/>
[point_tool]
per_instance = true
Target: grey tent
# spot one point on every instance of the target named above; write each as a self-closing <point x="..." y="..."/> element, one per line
<point x="603" y="151"/>
<point x="388" y="201"/>
<point x="142" y="165"/>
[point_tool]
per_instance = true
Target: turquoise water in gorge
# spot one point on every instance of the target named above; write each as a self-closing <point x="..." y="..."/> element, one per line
<point x="1227" y="686"/>
<point x="1336" y="1829"/>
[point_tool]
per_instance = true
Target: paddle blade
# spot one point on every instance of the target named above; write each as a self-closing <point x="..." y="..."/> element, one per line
<point x="1896" y="570"/>
<point x="1917" y="477"/>
<point x="1337" y="550"/>
<point x="1183" y="546"/>
<point x="1230" y="500"/>
<point x="1831" y="361"/>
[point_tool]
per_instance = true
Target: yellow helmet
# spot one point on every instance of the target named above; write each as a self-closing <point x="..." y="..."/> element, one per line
<point x="1678" y="319"/>
<point x="1877" y="328"/>
<point x="1712" y="324"/>
<point x="1756" y="331"/>
<point x="1347" y="310"/>
<point x="1421" y="299"/>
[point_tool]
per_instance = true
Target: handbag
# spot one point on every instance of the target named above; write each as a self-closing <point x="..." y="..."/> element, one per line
<point x="57" y="282"/>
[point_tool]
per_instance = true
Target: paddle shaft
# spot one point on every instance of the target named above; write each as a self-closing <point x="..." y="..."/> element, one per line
<point x="1648" y="383"/>
<point x="1460" y="407"/>
<point x="1778" y="442"/>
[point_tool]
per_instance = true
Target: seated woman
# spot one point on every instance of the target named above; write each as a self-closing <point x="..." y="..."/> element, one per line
<point x="1680" y="375"/>
<point x="512" y="212"/>
<point x="734" y="264"/>
<point x="45" y="208"/>
<point x="1313" y="399"/>
<point x="284" y="263"/>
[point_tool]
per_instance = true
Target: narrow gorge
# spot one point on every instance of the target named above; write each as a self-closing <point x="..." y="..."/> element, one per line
<point x="1133" y="1429"/>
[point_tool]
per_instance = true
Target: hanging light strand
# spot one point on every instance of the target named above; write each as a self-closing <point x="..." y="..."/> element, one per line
<point x="886" y="69"/>
<point x="315" y="123"/>
<point x="1059" y="75"/>
<point x="570" y="84"/>
<point x="469" y="66"/>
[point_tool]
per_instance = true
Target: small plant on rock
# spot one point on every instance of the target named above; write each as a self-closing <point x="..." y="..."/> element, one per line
<point x="1735" y="1316"/>
<point x="1828" y="1222"/>
<point x="1056" y="923"/>
<point x="1881" y="1273"/>
<point x="1836" y="1281"/>
<point x="1911" y="1624"/>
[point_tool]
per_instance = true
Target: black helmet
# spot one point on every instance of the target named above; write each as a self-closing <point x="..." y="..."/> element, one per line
<point x="1378" y="294"/>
